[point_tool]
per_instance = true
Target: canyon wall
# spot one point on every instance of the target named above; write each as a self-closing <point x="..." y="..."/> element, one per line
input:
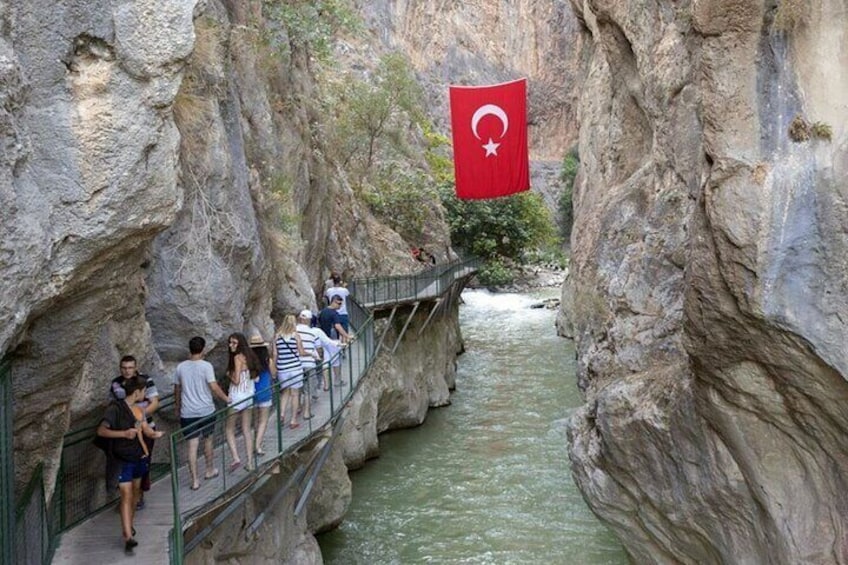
<point x="708" y="296"/>
<point x="161" y="178"/>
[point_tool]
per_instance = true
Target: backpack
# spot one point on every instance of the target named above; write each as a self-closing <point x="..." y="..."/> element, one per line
<point x="123" y="449"/>
<point x="103" y="443"/>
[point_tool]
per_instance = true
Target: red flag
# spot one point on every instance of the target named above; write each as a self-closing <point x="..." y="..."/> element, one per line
<point x="489" y="126"/>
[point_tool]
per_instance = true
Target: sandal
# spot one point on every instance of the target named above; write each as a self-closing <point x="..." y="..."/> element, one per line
<point x="129" y="545"/>
<point x="195" y="487"/>
<point x="260" y="453"/>
<point x="235" y="465"/>
<point x="294" y="425"/>
<point x="214" y="474"/>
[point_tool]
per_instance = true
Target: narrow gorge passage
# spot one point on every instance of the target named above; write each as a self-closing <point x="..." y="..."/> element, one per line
<point x="485" y="480"/>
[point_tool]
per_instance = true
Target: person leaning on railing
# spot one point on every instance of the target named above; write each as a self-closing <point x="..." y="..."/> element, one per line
<point x="124" y="423"/>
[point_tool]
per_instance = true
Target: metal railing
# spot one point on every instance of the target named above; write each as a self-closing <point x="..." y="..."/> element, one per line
<point x="81" y="482"/>
<point x="36" y="530"/>
<point x="387" y="291"/>
<point x="7" y="467"/>
<point x="343" y="373"/>
<point x="29" y="530"/>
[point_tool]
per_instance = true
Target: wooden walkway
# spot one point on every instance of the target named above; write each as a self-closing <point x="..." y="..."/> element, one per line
<point x="98" y="540"/>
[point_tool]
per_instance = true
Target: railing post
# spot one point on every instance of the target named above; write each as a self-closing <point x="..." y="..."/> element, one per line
<point x="177" y="548"/>
<point x="7" y="468"/>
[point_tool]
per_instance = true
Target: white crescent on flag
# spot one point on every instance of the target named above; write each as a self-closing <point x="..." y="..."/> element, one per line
<point x="489" y="110"/>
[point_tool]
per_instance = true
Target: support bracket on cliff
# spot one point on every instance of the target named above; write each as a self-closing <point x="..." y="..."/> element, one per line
<point x="430" y="315"/>
<point x="388" y="325"/>
<point x="405" y="325"/>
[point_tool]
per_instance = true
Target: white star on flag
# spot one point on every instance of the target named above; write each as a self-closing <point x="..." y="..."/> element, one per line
<point x="491" y="148"/>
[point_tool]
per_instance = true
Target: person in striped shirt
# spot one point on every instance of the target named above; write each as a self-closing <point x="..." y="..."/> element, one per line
<point x="288" y="350"/>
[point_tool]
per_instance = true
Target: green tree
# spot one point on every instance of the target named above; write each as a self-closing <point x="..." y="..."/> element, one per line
<point x="502" y="227"/>
<point x="373" y="119"/>
<point x="309" y="24"/>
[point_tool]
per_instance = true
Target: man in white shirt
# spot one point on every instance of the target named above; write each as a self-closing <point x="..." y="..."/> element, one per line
<point x="194" y="385"/>
<point x="313" y="340"/>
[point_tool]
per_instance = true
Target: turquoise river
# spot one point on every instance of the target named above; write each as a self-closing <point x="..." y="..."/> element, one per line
<point x="486" y="479"/>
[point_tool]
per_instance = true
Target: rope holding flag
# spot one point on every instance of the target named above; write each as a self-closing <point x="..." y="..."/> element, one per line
<point x="489" y="127"/>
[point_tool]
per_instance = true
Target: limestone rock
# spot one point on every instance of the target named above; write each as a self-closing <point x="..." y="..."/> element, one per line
<point x="709" y="286"/>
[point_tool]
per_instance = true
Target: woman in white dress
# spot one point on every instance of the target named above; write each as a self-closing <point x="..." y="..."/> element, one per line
<point x="243" y="371"/>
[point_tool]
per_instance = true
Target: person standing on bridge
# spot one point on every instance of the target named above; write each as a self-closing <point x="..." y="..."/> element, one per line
<point x="331" y="324"/>
<point x="125" y="424"/>
<point x="149" y="404"/>
<point x="194" y="385"/>
<point x="314" y="341"/>
<point x="264" y="389"/>
<point x="339" y="289"/>
<point x="288" y="350"/>
<point x="243" y="372"/>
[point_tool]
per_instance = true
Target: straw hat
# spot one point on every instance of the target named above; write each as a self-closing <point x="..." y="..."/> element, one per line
<point x="256" y="340"/>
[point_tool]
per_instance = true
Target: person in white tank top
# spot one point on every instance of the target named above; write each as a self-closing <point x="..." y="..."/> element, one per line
<point x="242" y="370"/>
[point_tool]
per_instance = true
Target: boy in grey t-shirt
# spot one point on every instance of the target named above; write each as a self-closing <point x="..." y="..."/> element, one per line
<point x="194" y="387"/>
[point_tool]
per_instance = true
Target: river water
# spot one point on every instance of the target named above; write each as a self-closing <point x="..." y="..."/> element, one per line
<point x="487" y="479"/>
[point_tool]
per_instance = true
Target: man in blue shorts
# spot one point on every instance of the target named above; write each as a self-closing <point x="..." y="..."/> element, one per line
<point x="194" y="385"/>
<point x="124" y="423"/>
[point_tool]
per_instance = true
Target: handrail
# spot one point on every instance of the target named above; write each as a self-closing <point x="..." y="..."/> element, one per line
<point x="36" y="525"/>
<point x="376" y="292"/>
<point x="355" y="361"/>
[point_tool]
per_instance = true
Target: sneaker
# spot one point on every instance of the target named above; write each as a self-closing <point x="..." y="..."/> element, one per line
<point x="140" y="505"/>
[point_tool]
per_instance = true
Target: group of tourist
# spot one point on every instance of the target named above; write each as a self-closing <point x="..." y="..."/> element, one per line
<point x="302" y="346"/>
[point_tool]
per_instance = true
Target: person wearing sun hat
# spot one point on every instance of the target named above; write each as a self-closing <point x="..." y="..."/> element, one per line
<point x="264" y="390"/>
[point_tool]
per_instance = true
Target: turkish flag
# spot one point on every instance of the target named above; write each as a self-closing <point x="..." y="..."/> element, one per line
<point x="489" y="126"/>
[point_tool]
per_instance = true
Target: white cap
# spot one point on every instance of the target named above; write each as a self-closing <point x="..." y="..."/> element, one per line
<point x="306" y="314"/>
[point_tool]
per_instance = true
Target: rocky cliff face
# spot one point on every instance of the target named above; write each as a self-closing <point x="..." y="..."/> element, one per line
<point x="161" y="178"/>
<point x="709" y="285"/>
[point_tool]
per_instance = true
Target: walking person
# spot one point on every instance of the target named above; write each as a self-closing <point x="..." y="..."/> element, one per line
<point x="194" y="387"/>
<point x="124" y="423"/>
<point x="243" y="371"/>
<point x="288" y="350"/>
<point x="149" y="404"/>
<point x="264" y="389"/>
<point x="314" y="341"/>
<point x="330" y="323"/>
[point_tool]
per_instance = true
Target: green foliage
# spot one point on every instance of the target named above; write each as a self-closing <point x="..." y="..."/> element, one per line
<point x="281" y="193"/>
<point x="438" y="154"/>
<point x="822" y="130"/>
<point x="371" y="121"/>
<point x="374" y="131"/>
<point x="502" y="227"/>
<point x="791" y="14"/>
<point x="570" y="164"/>
<point x="799" y="129"/>
<point x="547" y="256"/>
<point x="310" y="24"/>
<point x="495" y="272"/>
<point x="403" y="199"/>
